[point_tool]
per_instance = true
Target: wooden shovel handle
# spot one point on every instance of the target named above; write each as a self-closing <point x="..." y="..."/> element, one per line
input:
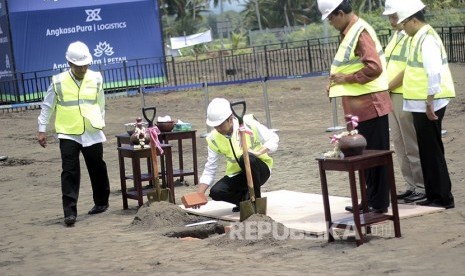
<point x="245" y="151"/>
<point x="248" y="170"/>
<point x="153" y="150"/>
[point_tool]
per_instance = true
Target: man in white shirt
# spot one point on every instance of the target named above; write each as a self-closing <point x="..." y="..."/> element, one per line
<point x="428" y="88"/>
<point x="78" y="99"/>
<point x="403" y="133"/>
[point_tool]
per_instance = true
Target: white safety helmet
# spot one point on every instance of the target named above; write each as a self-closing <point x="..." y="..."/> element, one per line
<point x="326" y="7"/>
<point x="390" y="7"/>
<point x="78" y="54"/>
<point x="409" y="8"/>
<point x="218" y="111"/>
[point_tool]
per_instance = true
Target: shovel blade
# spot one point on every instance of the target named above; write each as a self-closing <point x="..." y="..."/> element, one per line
<point x="260" y="205"/>
<point x="248" y="208"/>
<point x="164" y="195"/>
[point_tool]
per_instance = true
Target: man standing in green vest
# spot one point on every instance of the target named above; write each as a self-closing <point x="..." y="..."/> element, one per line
<point x="77" y="97"/>
<point x="224" y="141"/>
<point x="358" y="75"/>
<point x="403" y="132"/>
<point x="428" y="88"/>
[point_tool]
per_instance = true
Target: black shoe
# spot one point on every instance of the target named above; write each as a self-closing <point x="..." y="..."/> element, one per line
<point x="70" y="220"/>
<point x="370" y="209"/>
<point x="449" y="206"/>
<point x="414" y="197"/>
<point x="446" y="206"/>
<point x="378" y="211"/>
<point x="236" y="209"/>
<point x="351" y="209"/>
<point x="430" y="203"/>
<point x="425" y="202"/>
<point x="404" y="194"/>
<point x="98" y="209"/>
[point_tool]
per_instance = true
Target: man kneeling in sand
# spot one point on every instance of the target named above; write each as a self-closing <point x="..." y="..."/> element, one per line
<point x="224" y="140"/>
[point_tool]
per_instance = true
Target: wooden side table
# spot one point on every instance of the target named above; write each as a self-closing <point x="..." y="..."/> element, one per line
<point x="369" y="159"/>
<point x="165" y="137"/>
<point x="136" y="154"/>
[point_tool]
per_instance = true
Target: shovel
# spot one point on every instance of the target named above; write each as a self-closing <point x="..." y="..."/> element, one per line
<point x="252" y="205"/>
<point x="157" y="194"/>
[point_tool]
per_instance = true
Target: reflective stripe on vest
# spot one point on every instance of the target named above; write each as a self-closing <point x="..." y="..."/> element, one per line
<point x="396" y="57"/>
<point x="76" y="104"/>
<point x="221" y="145"/>
<point x="346" y="62"/>
<point x="415" y="78"/>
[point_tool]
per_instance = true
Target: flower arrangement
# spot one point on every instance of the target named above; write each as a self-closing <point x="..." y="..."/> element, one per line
<point x="352" y="123"/>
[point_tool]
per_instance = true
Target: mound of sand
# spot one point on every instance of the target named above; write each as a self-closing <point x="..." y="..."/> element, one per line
<point x="170" y="220"/>
<point x="256" y="230"/>
<point x="157" y="215"/>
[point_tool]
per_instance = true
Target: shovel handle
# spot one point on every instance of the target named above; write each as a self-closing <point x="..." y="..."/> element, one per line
<point x="239" y="116"/>
<point x="144" y="112"/>
<point x="248" y="170"/>
<point x="245" y="149"/>
<point x="153" y="150"/>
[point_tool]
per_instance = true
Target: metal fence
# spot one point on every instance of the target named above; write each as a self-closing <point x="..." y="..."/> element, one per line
<point x="282" y="60"/>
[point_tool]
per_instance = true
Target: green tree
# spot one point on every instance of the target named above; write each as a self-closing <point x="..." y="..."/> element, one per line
<point x="277" y="13"/>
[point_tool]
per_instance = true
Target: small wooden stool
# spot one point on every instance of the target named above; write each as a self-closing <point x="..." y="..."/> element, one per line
<point x="136" y="154"/>
<point x="369" y="159"/>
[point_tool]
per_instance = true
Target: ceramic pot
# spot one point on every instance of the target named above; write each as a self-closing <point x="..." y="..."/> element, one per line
<point x="351" y="145"/>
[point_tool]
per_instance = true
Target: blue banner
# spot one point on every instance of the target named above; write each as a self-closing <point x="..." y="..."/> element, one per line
<point x="114" y="30"/>
<point x="37" y="5"/>
<point x="2" y="7"/>
<point x="6" y="57"/>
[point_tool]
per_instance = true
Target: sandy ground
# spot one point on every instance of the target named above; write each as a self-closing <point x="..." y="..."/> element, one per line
<point x="136" y="241"/>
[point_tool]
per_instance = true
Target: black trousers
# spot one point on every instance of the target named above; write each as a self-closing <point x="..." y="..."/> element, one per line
<point x="71" y="174"/>
<point x="433" y="162"/>
<point x="376" y="132"/>
<point x="234" y="189"/>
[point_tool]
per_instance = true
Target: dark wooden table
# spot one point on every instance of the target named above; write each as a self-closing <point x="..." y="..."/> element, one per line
<point x="369" y="159"/>
<point x="166" y="137"/>
<point x="135" y="155"/>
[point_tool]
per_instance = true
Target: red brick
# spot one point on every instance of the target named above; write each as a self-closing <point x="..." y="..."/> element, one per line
<point x="194" y="199"/>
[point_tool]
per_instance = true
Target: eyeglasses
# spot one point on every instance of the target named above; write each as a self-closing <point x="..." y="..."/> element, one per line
<point x="332" y="15"/>
<point x="406" y="20"/>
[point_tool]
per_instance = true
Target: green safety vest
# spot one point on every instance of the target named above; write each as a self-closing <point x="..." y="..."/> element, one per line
<point x="346" y="62"/>
<point x="76" y="104"/>
<point x="415" y="78"/>
<point x="221" y="145"/>
<point x="396" y="56"/>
